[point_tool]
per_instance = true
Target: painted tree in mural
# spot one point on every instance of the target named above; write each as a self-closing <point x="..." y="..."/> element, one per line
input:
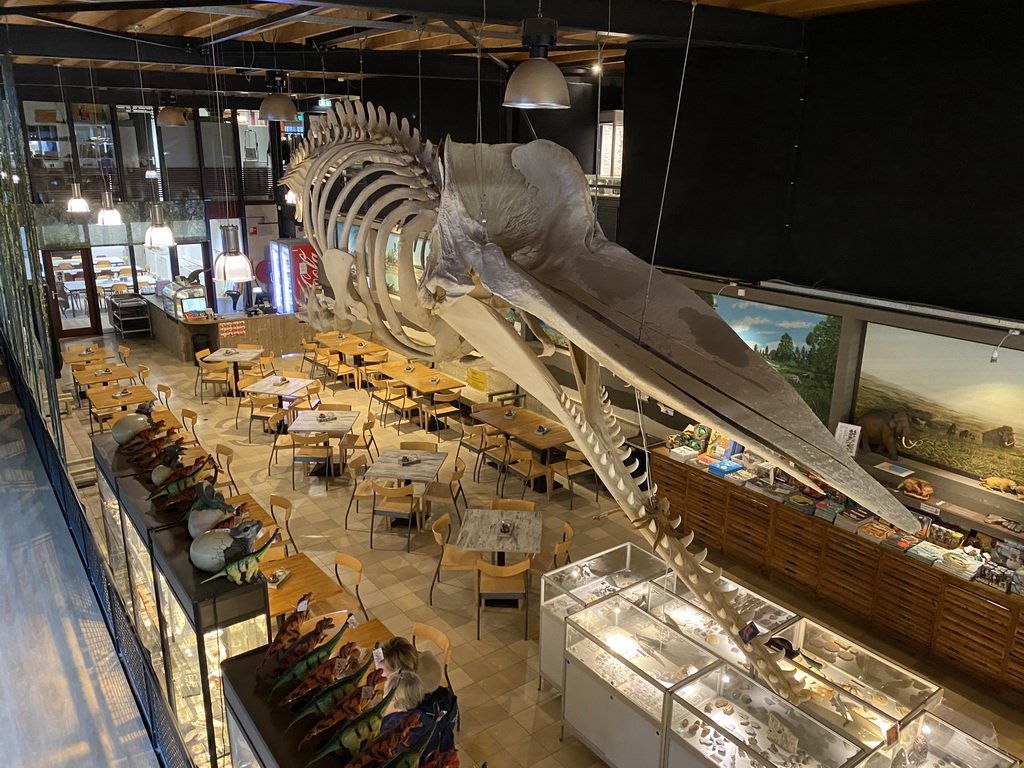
<point x="513" y="226"/>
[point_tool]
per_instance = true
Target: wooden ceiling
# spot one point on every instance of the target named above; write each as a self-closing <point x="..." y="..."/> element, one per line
<point x="326" y="27"/>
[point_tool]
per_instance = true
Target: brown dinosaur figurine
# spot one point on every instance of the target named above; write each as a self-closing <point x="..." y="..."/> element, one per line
<point x="377" y="750"/>
<point x="438" y="759"/>
<point x="348" y="707"/>
<point x="332" y="670"/>
<point x="296" y="650"/>
<point x="290" y="629"/>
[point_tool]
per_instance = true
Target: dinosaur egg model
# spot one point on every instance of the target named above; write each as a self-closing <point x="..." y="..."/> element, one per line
<point x="212" y="550"/>
<point x="160" y="474"/>
<point x="204" y="519"/>
<point x="128" y="427"/>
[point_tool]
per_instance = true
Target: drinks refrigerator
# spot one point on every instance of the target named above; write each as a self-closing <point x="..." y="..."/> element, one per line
<point x="294" y="270"/>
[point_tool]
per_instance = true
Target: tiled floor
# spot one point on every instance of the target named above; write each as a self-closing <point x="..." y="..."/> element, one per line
<point x="506" y="720"/>
<point x="64" y="696"/>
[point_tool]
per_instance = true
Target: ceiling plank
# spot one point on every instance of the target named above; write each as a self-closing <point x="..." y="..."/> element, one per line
<point x="261" y="25"/>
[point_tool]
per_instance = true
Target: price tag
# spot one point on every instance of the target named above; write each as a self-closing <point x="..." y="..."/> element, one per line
<point x="378" y="657"/>
<point x="749" y="632"/>
<point x="366" y="693"/>
<point x="892" y="735"/>
<point x="352" y="622"/>
<point x="302" y="606"/>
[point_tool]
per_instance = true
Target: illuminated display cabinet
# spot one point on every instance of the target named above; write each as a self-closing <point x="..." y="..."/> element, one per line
<point x="294" y="271"/>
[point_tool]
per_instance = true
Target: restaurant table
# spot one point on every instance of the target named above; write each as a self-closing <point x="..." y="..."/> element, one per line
<point x="271" y="385"/>
<point x="103" y="399"/>
<point x="426" y="381"/>
<point x="388" y="466"/>
<point x="307" y="423"/>
<point x="481" y="531"/>
<point x="234" y="356"/>
<point x="97" y="354"/>
<point x="353" y="347"/>
<point x="523" y="427"/>
<point x="306" y="576"/>
<point x="99" y="373"/>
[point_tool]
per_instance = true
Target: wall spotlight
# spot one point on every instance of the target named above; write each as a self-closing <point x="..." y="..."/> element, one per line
<point x="995" y="352"/>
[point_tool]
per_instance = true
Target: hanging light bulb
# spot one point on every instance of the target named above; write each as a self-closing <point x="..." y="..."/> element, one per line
<point x="276" y="105"/>
<point x="108" y="216"/>
<point x="77" y="203"/>
<point x="231" y="264"/>
<point x="538" y="83"/>
<point x="158" y="234"/>
<point x="290" y="198"/>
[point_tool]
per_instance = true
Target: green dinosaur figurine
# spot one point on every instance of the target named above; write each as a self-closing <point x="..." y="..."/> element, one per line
<point x="352" y="735"/>
<point x="244" y="569"/>
<point x="297" y="672"/>
<point x="326" y="700"/>
<point x="410" y="757"/>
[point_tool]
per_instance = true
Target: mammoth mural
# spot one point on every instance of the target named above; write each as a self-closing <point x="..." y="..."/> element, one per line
<point x="1001" y="437"/>
<point x="887" y="429"/>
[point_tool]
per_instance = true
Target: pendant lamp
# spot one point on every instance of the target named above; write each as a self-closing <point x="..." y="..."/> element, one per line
<point x="538" y="83"/>
<point x="108" y="216"/>
<point x="170" y="117"/>
<point x="277" y="106"/>
<point x="77" y="203"/>
<point x="290" y="198"/>
<point x="231" y="264"/>
<point x="158" y="235"/>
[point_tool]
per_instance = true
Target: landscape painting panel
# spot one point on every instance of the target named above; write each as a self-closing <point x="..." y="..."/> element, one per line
<point x="967" y="412"/>
<point x="801" y="346"/>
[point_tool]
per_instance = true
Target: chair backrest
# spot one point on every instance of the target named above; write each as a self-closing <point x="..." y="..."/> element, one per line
<point x="519" y="454"/>
<point x="335" y="407"/>
<point x="102" y="263"/>
<point x="247" y="381"/>
<point x="224" y="454"/>
<point x="249" y="346"/>
<point x="125" y="272"/>
<point x="143" y="373"/>
<point x="163" y="393"/>
<point x="522" y="505"/>
<point x="293" y="374"/>
<point x="393" y="493"/>
<point x="441" y="529"/>
<point x="561" y="549"/>
<point x="568" y="532"/>
<point x="189" y="419"/>
<point x="354" y="564"/>
<point x="475" y="435"/>
<point x="441" y="398"/>
<point x="502" y="571"/>
<point x="310" y="346"/>
<point x="315" y="388"/>
<point x="434" y="635"/>
<point x="354" y="464"/>
<point x="286" y="505"/>
<point x="571" y="455"/>
<point x="396" y="387"/>
<point x="458" y="472"/>
<point x="267" y="360"/>
<point x="124" y="351"/>
<point x="381" y="357"/>
<point x="201" y="354"/>
<point x="303" y="441"/>
<point x="414" y="445"/>
<point x="370" y="422"/>
<point x="119" y="288"/>
<point x="212" y="367"/>
<point x="274" y="422"/>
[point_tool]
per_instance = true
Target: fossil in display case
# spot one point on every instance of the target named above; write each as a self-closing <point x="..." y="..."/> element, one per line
<point x="928" y="741"/>
<point x="768" y="616"/>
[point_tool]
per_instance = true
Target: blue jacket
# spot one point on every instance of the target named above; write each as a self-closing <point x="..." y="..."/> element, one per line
<point x="444" y="736"/>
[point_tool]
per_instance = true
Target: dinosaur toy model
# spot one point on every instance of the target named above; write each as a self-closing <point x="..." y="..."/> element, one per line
<point x="381" y="748"/>
<point x="289" y="632"/>
<point x="212" y="551"/>
<point x="329" y="672"/>
<point x="512" y="226"/>
<point x="357" y="731"/>
<point x="296" y="650"/>
<point x="184" y="479"/>
<point x="325" y="701"/>
<point x="410" y="757"/>
<point x="245" y="569"/>
<point x="208" y="510"/>
<point x="301" y="667"/>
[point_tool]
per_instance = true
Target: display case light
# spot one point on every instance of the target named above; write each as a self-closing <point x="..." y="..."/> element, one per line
<point x="158" y="234"/>
<point x="77" y="203"/>
<point x="108" y="216"/>
<point x="231" y="264"/>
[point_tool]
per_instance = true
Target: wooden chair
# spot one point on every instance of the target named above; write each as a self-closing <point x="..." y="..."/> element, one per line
<point x="102" y="263"/>
<point x="215" y="374"/>
<point x="313" y="449"/>
<point x="394" y="504"/>
<point x="124" y="271"/>
<point x="265" y="366"/>
<point x="101" y="296"/>
<point x="276" y="552"/>
<point x="447" y="490"/>
<point x="188" y="420"/>
<point x="354" y="564"/>
<point x="247" y="367"/>
<point x="123" y="352"/>
<point x="163" y="394"/>
<point x="338" y="407"/>
<point x="396" y="396"/>
<point x="309" y="350"/>
<point x="200" y="355"/>
<point x="224" y="456"/>
<point x="99" y="416"/>
<point x="450" y="558"/>
<point x="496" y="448"/>
<point x="362" y="490"/>
<point x="370" y="364"/>
<point x="503" y="582"/>
<point x="438" y="638"/>
<point x="574" y="465"/>
<point x="437" y="409"/>
<point x="286" y="507"/>
<point x="332" y="366"/>
<point x="475" y="408"/>
<point x="514" y="505"/>
<point x="282" y="439"/>
<point x="414" y="445"/>
<point x="143" y="374"/>
<point x="310" y="401"/>
<point x="522" y="462"/>
<point x="119" y="288"/>
<point x="364" y="441"/>
<point x="244" y="398"/>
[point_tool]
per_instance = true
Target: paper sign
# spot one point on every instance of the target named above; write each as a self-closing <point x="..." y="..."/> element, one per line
<point x="476" y="379"/>
<point x="352" y="622"/>
<point x="848" y="436"/>
<point x="749" y="632"/>
<point x="302" y="606"/>
<point x="378" y="657"/>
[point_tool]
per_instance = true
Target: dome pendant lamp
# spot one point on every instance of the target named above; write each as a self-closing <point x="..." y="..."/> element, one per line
<point x="538" y="83"/>
<point x="158" y="235"/>
<point x="108" y="216"/>
<point x="276" y="105"/>
<point x="77" y="203"/>
<point x="231" y="264"/>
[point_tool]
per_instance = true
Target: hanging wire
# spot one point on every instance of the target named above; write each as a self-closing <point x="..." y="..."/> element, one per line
<point x="480" y="118"/>
<point x="419" y="75"/>
<point x="361" y="78"/>
<point x="92" y="90"/>
<point x="600" y="82"/>
<point x="142" y="100"/>
<point x="219" y="108"/>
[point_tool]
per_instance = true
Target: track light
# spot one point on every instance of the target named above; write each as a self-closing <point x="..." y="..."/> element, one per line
<point x="596" y="69"/>
<point x="538" y="83"/>
<point x="231" y="264"/>
<point x="158" y="234"/>
<point x="714" y="299"/>
<point x="77" y="203"/>
<point x="995" y="352"/>
<point x="108" y="216"/>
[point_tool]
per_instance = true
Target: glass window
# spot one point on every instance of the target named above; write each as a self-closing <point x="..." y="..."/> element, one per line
<point x="155" y="262"/>
<point x="190" y="258"/>
<point x="220" y="155"/>
<point x="95" y="140"/>
<point x="136" y="135"/>
<point x="254" y="149"/>
<point x="180" y="158"/>
<point x="49" y="150"/>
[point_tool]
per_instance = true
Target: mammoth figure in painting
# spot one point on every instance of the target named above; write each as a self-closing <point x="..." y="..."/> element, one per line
<point x="485" y="228"/>
<point x="889" y="429"/>
<point x="1001" y="437"/>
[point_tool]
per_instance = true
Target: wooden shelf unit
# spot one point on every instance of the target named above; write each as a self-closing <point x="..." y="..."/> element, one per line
<point x="969" y="626"/>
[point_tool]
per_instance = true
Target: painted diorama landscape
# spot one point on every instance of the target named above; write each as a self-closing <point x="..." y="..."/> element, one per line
<point x="965" y="413"/>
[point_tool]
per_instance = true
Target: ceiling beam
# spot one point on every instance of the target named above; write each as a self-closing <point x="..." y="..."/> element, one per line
<point x="100" y="31"/>
<point x="106" y="5"/>
<point x="261" y="25"/>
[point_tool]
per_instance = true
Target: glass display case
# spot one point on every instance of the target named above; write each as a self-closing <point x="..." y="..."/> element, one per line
<point x="930" y="742"/>
<point x="566" y="590"/>
<point x="881" y="687"/>
<point x="176" y="295"/>
<point x="112" y="539"/>
<point x="768" y="616"/>
<point x="728" y="719"/>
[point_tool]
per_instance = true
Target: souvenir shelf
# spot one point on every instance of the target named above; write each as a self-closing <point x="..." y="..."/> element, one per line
<point x="567" y="590"/>
<point x="620" y="665"/>
<point x="884" y="691"/>
<point x="187" y="628"/>
<point x="930" y="742"/>
<point x="727" y="719"/>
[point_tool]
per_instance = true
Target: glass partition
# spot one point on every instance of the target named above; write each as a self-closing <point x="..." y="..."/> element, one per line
<point x="180" y="159"/>
<point x="220" y="155"/>
<point x="140" y="158"/>
<point x="254" y="139"/>
<point x="94" y="138"/>
<point x="51" y="164"/>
